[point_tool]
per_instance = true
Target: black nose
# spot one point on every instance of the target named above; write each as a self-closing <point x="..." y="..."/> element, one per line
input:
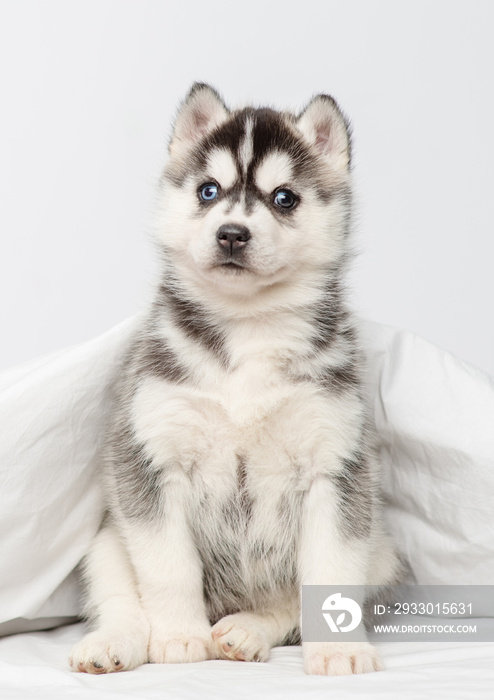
<point x="232" y="237"/>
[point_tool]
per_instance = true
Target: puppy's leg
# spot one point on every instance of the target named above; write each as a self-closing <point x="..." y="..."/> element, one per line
<point x="120" y="639"/>
<point x="335" y="552"/>
<point x="249" y="636"/>
<point x="169" y="575"/>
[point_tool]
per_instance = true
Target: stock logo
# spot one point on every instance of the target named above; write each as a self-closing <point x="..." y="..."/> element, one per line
<point x="336" y="610"/>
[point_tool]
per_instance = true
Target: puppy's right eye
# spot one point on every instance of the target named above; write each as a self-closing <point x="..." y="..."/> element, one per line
<point x="208" y="192"/>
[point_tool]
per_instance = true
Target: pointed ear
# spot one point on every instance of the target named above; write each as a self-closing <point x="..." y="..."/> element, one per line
<point x="325" y="126"/>
<point x="199" y="113"/>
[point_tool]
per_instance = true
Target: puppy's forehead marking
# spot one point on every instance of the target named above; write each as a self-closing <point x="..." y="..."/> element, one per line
<point x="222" y="168"/>
<point x="246" y="150"/>
<point x="276" y="169"/>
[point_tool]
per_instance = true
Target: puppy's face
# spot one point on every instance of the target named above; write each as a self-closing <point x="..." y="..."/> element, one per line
<point x="253" y="197"/>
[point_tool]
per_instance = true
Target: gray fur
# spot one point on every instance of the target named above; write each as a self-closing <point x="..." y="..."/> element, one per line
<point x="356" y="494"/>
<point x="191" y="318"/>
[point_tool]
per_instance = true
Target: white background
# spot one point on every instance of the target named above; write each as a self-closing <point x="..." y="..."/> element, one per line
<point x="89" y="88"/>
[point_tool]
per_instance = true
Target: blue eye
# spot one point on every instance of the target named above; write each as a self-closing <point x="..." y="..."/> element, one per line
<point x="285" y="199"/>
<point x="208" y="192"/>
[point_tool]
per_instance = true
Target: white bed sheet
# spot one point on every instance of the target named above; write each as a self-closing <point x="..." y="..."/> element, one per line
<point x="34" y="665"/>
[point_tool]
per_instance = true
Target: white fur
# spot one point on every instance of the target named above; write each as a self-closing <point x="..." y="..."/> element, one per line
<point x="121" y="640"/>
<point x="222" y="167"/>
<point x="275" y="171"/>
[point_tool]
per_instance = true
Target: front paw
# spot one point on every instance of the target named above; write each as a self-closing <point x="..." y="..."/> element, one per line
<point x="107" y="652"/>
<point x="237" y="638"/>
<point x="340" y="658"/>
<point x="169" y="648"/>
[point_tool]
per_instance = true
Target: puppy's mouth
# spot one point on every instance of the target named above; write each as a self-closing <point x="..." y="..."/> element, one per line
<point x="233" y="265"/>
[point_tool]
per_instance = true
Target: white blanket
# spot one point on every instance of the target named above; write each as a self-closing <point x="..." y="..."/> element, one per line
<point x="52" y="413"/>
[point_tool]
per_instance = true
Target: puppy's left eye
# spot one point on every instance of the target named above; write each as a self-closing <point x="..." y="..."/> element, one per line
<point x="285" y="199"/>
<point x="208" y="192"/>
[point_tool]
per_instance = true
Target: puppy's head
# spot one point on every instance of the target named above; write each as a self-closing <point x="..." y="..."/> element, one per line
<point x="254" y="197"/>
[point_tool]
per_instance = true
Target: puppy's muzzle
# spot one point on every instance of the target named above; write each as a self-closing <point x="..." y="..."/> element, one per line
<point x="232" y="238"/>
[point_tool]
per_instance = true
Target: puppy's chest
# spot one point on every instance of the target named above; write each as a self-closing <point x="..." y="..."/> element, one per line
<point x="278" y="426"/>
<point x="252" y="391"/>
<point x="215" y="407"/>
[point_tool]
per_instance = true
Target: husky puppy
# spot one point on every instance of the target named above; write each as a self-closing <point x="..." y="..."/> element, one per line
<point x="239" y="464"/>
